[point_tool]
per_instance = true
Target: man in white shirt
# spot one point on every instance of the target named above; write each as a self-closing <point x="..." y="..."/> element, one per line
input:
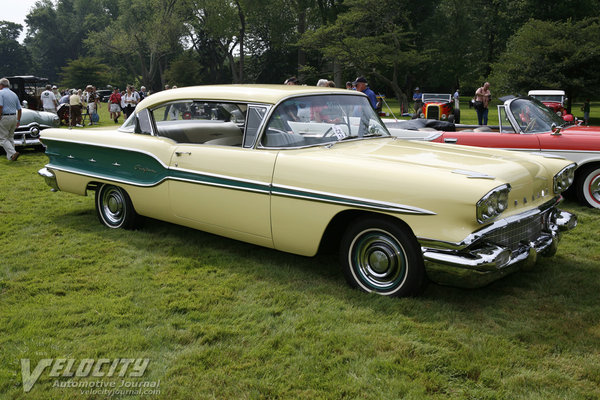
<point x="49" y="102"/>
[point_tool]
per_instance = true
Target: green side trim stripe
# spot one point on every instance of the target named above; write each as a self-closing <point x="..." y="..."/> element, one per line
<point x="137" y="168"/>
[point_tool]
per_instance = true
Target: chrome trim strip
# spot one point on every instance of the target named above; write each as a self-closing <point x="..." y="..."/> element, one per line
<point x="473" y="174"/>
<point x="226" y="177"/>
<point x="333" y="198"/>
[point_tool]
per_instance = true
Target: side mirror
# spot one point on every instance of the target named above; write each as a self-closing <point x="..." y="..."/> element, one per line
<point x="555" y="129"/>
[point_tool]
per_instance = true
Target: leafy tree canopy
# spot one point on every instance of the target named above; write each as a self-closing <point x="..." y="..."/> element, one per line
<point x="551" y="55"/>
<point x="14" y="57"/>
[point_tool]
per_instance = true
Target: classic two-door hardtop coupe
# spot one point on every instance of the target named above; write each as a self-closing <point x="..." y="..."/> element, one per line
<point x="526" y="125"/>
<point x="303" y="168"/>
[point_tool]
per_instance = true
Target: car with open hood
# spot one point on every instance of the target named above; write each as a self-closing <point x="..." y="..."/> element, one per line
<point x="302" y="169"/>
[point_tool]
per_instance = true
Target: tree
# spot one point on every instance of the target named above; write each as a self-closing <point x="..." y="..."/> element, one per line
<point x="14" y="58"/>
<point x="85" y="71"/>
<point x="370" y="40"/>
<point x="143" y="39"/>
<point x="56" y="32"/>
<point x="551" y="55"/>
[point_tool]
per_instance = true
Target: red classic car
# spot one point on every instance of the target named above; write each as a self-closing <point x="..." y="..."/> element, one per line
<point x="438" y="106"/>
<point x="525" y="124"/>
<point x="554" y="100"/>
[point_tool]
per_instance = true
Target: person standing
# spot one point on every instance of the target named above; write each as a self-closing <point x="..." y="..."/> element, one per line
<point x="75" y="109"/>
<point x="10" y="118"/>
<point x="456" y="97"/>
<point x="92" y="102"/>
<point x="56" y="92"/>
<point x="418" y="101"/>
<point x="482" y="101"/>
<point x="130" y="100"/>
<point x="361" y="85"/>
<point x="142" y="93"/>
<point x="586" y="111"/>
<point x="114" y="105"/>
<point x="49" y="101"/>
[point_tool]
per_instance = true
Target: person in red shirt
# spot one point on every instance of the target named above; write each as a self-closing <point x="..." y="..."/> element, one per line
<point x="114" y="105"/>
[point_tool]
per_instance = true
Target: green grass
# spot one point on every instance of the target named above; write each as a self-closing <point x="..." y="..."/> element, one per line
<point x="223" y="319"/>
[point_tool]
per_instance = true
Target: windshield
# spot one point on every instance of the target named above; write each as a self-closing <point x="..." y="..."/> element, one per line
<point x="431" y="97"/>
<point x="316" y="120"/>
<point x="549" y="98"/>
<point x="533" y="117"/>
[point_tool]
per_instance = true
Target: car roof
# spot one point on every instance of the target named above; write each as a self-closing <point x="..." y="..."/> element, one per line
<point x="247" y="93"/>
<point x="546" y="92"/>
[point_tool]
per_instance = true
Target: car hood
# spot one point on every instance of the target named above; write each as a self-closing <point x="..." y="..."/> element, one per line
<point x="581" y="130"/>
<point x="389" y="169"/>
<point x="47" y="119"/>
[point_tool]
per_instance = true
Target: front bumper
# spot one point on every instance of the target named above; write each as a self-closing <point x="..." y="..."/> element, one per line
<point x="28" y="135"/>
<point x="499" y="249"/>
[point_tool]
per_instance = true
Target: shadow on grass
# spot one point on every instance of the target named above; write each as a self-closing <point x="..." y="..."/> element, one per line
<point x="552" y="305"/>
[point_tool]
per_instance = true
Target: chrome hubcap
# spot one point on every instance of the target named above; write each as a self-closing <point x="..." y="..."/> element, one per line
<point x="113" y="206"/>
<point x="378" y="260"/>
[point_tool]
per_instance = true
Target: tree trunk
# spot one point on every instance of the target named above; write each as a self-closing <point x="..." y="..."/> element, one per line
<point x="301" y="52"/>
<point x="242" y="34"/>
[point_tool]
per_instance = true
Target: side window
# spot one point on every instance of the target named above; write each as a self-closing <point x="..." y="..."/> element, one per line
<point x="505" y="125"/>
<point x="143" y="123"/>
<point x="254" y="119"/>
<point x="201" y="122"/>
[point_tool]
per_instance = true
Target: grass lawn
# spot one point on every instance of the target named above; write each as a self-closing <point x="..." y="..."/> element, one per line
<point x="223" y="319"/>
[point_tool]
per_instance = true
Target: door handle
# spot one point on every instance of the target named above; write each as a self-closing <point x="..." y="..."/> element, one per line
<point x="181" y="153"/>
<point x="450" y="140"/>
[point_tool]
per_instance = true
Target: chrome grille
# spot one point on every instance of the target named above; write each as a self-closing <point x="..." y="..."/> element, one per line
<point x="525" y="230"/>
<point x="433" y="112"/>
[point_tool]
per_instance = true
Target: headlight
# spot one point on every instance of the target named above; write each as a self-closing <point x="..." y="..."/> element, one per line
<point x="493" y="204"/>
<point x="564" y="178"/>
<point x="443" y="116"/>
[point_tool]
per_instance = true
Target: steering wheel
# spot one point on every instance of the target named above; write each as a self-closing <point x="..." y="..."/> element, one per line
<point x="530" y="125"/>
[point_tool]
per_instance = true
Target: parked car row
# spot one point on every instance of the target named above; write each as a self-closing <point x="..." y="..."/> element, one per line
<point x="303" y="169"/>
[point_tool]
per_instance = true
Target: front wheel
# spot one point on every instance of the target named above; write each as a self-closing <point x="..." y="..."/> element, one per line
<point x="114" y="208"/>
<point x="588" y="186"/>
<point x="380" y="256"/>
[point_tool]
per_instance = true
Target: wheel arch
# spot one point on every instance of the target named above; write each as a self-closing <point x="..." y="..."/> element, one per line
<point x="332" y="236"/>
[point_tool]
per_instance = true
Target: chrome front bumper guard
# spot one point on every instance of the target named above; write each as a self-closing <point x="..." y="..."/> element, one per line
<point x="485" y="263"/>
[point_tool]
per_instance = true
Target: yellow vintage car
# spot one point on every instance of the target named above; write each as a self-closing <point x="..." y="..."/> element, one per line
<point x="302" y="169"/>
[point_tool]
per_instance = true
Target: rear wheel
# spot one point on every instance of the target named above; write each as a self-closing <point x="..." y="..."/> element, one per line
<point x="114" y="208"/>
<point x="380" y="256"/>
<point x="588" y="186"/>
